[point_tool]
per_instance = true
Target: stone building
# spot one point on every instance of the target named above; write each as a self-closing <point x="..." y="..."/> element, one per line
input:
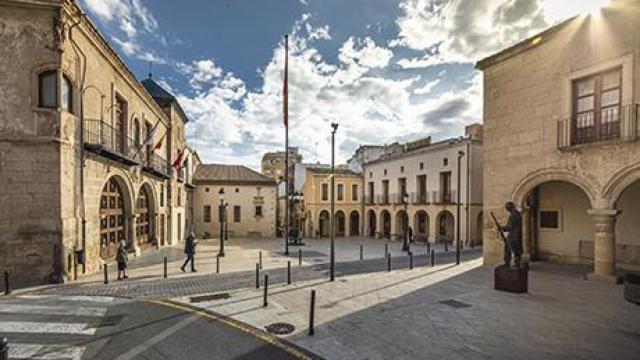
<point x="69" y="100"/>
<point x="316" y="203"/>
<point x="273" y="163"/>
<point x="560" y="140"/>
<point x="250" y="198"/>
<point x="426" y="173"/>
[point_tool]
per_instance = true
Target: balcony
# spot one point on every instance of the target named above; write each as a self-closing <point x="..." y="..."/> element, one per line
<point x="103" y="139"/>
<point x="442" y="197"/>
<point x="180" y="174"/>
<point x="369" y="200"/>
<point x="156" y="165"/>
<point x="419" y="198"/>
<point x="615" y="128"/>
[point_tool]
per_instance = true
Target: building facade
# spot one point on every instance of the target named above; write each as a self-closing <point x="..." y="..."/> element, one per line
<point x="316" y="203"/>
<point x="561" y="140"/>
<point x="250" y="200"/>
<point x="368" y="153"/>
<point x="273" y="163"/>
<point x="427" y="174"/>
<point x="82" y="162"/>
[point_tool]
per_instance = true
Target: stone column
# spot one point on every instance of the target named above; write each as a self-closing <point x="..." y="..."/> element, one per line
<point x="604" y="259"/>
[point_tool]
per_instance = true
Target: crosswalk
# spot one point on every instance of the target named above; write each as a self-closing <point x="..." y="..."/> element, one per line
<point x="48" y="327"/>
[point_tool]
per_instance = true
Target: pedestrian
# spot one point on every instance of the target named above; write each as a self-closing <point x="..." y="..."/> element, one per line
<point x="122" y="258"/>
<point x="190" y="251"/>
<point x="410" y="234"/>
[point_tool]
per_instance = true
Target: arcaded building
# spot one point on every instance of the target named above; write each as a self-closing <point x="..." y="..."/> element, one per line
<point x="561" y="141"/>
<point x="86" y="150"/>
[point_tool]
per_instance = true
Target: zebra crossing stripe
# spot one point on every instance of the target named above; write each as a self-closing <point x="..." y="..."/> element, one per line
<point x="53" y="310"/>
<point x="100" y="299"/>
<point x="45" y="352"/>
<point x="45" y="328"/>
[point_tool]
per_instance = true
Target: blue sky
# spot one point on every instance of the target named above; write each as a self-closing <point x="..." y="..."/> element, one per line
<point x="385" y="70"/>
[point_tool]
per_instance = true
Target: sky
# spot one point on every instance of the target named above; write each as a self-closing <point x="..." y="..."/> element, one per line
<point x="384" y="70"/>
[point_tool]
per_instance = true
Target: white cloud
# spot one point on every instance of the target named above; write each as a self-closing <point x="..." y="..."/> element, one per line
<point x="427" y="87"/>
<point x="365" y="53"/>
<point x="201" y="72"/>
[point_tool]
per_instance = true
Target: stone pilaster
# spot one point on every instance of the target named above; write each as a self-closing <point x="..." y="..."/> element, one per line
<point x="604" y="262"/>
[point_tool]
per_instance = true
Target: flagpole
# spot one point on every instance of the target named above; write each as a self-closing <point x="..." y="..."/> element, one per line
<point x="286" y="143"/>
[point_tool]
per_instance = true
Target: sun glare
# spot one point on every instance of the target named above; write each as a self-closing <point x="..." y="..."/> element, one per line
<point x="558" y="10"/>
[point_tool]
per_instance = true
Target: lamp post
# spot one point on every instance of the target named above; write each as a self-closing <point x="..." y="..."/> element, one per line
<point x="405" y="202"/>
<point x="334" y="126"/>
<point x="221" y="215"/>
<point x="460" y="156"/>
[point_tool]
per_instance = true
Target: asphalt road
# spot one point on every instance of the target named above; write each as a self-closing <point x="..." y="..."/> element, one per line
<point x="76" y="327"/>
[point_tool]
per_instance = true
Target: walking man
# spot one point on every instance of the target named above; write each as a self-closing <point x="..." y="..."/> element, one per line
<point x="190" y="251"/>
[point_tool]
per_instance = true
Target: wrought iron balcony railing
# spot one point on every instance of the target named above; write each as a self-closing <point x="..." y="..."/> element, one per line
<point x="614" y="124"/>
<point x="104" y="139"/>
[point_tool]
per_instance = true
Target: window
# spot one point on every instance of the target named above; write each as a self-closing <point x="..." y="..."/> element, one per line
<point x="596" y="107"/>
<point x="206" y="189"/>
<point x="237" y="190"/>
<point x="445" y="162"/>
<point x="67" y="95"/>
<point x="401" y="169"/>
<point x="421" y="166"/>
<point x="550" y="219"/>
<point x="385" y="172"/>
<point x="402" y="187"/>
<point x="370" y="174"/>
<point x="162" y="195"/>
<point x="136" y="133"/>
<point x="47" y="89"/>
<point x="207" y="213"/>
<point x="354" y="192"/>
<point x="236" y="213"/>
<point x="179" y="196"/>
<point x="340" y="192"/>
<point x="258" y="210"/>
<point x="445" y="187"/>
<point x="325" y="192"/>
<point x="385" y="191"/>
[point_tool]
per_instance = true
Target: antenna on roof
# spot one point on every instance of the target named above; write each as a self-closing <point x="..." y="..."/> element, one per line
<point x="150" y="64"/>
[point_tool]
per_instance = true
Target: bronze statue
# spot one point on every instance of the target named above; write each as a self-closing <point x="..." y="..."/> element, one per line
<point x="513" y="239"/>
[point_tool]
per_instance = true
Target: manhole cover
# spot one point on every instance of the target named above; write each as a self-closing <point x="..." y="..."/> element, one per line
<point x="280" y="328"/>
<point x="211" y="297"/>
<point x="104" y="321"/>
<point x="455" y="303"/>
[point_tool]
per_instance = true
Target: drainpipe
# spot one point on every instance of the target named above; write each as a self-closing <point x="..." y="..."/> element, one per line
<point x="468" y="192"/>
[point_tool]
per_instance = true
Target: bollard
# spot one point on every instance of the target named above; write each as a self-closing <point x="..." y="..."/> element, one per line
<point x="311" y="312"/>
<point x="257" y="276"/>
<point x="386" y="250"/>
<point x="410" y="260"/>
<point x="4" y="349"/>
<point x="288" y="272"/>
<point x="388" y="262"/>
<point x="361" y="252"/>
<point x="299" y="257"/>
<point x="165" y="267"/>
<point x="433" y="257"/>
<point x="218" y="264"/>
<point x="260" y="259"/>
<point x="7" y="287"/>
<point x="446" y="245"/>
<point x="75" y="267"/>
<point x="266" y="286"/>
<point x="106" y="273"/>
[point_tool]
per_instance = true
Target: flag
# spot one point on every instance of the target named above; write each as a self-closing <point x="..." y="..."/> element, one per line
<point x="148" y="139"/>
<point x="159" y="143"/>
<point x="285" y="92"/>
<point x="181" y="159"/>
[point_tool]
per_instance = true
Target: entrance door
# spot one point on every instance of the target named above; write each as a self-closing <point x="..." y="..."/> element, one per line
<point x="112" y="218"/>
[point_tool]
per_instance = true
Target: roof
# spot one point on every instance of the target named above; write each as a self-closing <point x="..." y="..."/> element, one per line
<point x="230" y="174"/>
<point x="162" y="96"/>
<point x="337" y="171"/>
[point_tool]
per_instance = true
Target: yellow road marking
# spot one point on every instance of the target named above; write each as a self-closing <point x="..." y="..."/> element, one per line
<point x="264" y="336"/>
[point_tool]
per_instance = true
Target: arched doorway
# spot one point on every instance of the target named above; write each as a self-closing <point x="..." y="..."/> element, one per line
<point x="340" y="223"/>
<point x="354" y="223"/>
<point x="372" y="223"/>
<point x="113" y="215"/>
<point x="145" y="217"/>
<point x="421" y="225"/>
<point x="445" y="227"/>
<point x="401" y="223"/>
<point x="385" y="221"/>
<point x="323" y="223"/>
<point x="479" y="229"/>
<point x="627" y="229"/>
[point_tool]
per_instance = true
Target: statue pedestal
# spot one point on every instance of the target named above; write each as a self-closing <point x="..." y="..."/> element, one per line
<point x="506" y="278"/>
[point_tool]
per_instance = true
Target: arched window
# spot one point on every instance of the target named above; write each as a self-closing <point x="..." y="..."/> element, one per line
<point x="67" y="94"/>
<point x="136" y="133"/>
<point x="47" y="89"/>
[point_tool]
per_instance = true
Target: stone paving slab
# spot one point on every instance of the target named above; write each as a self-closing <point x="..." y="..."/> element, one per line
<point x="408" y="315"/>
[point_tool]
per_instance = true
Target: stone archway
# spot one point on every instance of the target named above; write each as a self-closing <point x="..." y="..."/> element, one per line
<point x="627" y="226"/>
<point x="401" y="224"/>
<point x="145" y="216"/>
<point x="445" y="223"/>
<point x="115" y="212"/>
<point x="421" y="225"/>
<point x="372" y="223"/>
<point x="340" y="223"/>
<point x="323" y="224"/>
<point x="526" y="185"/>
<point x="354" y="223"/>
<point x="385" y="222"/>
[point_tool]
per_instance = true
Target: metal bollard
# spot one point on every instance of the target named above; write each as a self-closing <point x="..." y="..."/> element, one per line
<point x="257" y="276"/>
<point x="388" y="262"/>
<point x="165" y="267"/>
<point x="299" y="257"/>
<point x="410" y="260"/>
<point x="386" y="250"/>
<point x="106" y="274"/>
<point x="312" y="312"/>
<point x="218" y="264"/>
<point x="433" y="257"/>
<point x="361" y="252"/>
<point x="7" y="287"/>
<point x="260" y="259"/>
<point x="266" y="286"/>
<point x="288" y="272"/>
<point x="4" y="349"/>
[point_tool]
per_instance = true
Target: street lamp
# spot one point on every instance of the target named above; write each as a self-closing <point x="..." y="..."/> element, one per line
<point x="405" y="202"/>
<point x="460" y="156"/>
<point x="221" y="215"/>
<point x="334" y="126"/>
